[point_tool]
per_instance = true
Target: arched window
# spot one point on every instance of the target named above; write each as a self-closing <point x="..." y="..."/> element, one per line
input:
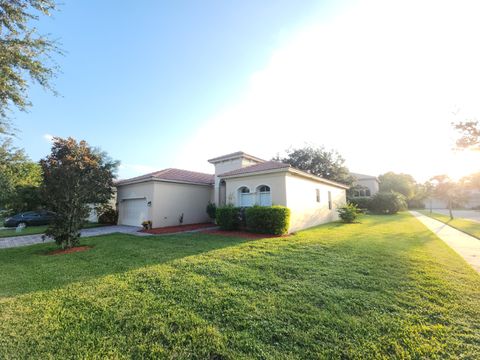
<point x="264" y="197"/>
<point x="245" y="198"/>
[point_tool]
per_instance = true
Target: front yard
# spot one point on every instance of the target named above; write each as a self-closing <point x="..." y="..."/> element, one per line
<point x="384" y="288"/>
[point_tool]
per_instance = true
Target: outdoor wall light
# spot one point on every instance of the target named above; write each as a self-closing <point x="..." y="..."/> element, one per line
<point x="149" y="203"/>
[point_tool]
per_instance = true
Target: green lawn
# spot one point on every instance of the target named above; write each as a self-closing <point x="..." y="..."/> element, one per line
<point x="31" y="230"/>
<point x="465" y="225"/>
<point x="385" y="288"/>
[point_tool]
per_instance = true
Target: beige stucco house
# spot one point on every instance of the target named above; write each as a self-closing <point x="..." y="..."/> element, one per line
<point x="166" y="196"/>
<point x="364" y="185"/>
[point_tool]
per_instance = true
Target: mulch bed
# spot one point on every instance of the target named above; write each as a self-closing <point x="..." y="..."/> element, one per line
<point x="69" y="251"/>
<point x="177" y="229"/>
<point x="241" y="234"/>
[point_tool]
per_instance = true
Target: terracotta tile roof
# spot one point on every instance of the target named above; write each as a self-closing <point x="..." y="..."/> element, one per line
<point x="265" y="166"/>
<point x="173" y="175"/>
<point x="234" y="155"/>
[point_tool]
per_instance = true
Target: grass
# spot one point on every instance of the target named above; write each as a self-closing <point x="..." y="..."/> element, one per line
<point x="385" y="288"/>
<point x="468" y="226"/>
<point x="32" y="230"/>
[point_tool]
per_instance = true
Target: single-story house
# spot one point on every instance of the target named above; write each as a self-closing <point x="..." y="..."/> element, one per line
<point x="172" y="196"/>
<point x="364" y="185"/>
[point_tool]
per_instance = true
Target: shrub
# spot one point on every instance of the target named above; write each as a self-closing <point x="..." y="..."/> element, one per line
<point x="211" y="210"/>
<point x="228" y="217"/>
<point x="348" y="212"/>
<point x="387" y="203"/>
<point x="361" y="202"/>
<point x="108" y="216"/>
<point x="273" y="220"/>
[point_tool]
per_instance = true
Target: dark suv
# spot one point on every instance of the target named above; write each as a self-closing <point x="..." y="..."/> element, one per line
<point x="30" y="218"/>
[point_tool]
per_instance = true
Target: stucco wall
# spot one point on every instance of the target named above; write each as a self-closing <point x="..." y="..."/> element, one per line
<point x="275" y="181"/>
<point x="171" y="200"/>
<point x="132" y="191"/>
<point x="371" y="184"/>
<point x="229" y="165"/>
<point x="302" y="201"/>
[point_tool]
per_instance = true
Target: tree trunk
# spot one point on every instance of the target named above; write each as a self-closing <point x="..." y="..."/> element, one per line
<point x="450" y="210"/>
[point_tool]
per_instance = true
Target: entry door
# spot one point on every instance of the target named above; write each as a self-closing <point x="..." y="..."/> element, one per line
<point x="135" y="211"/>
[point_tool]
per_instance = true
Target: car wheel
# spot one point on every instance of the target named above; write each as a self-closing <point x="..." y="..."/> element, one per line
<point x="22" y="224"/>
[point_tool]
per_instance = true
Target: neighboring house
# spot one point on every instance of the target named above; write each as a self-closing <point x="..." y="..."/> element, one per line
<point x="472" y="198"/>
<point x="364" y="185"/>
<point x="166" y="196"/>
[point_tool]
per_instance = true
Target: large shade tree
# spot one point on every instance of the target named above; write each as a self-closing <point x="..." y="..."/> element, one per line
<point x="319" y="161"/>
<point x="449" y="191"/>
<point x="25" y="55"/>
<point x="20" y="179"/>
<point x="469" y="132"/>
<point x="75" y="176"/>
<point x="401" y="183"/>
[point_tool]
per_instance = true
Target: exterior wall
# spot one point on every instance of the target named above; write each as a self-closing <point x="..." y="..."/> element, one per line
<point x="228" y="165"/>
<point x="371" y="184"/>
<point x="142" y="190"/>
<point x="170" y="200"/>
<point x="305" y="210"/>
<point x="275" y="181"/>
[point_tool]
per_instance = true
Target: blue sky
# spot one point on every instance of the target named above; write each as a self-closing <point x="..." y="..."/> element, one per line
<point x="169" y="84"/>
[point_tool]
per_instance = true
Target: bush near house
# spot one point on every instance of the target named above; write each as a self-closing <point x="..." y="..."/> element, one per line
<point x="211" y="210"/>
<point x="273" y="220"/>
<point x="228" y="217"/>
<point x="361" y="202"/>
<point x="387" y="203"/>
<point x="108" y="216"/>
<point x="348" y="212"/>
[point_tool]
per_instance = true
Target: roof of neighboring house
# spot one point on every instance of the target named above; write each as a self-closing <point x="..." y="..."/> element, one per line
<point x="274" y="166"/>
<point x="363" y="176"/>
<point x="173" y="175"/>
<point x="234" y="156"/>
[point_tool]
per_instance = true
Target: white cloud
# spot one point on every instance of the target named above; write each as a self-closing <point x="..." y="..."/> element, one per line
<point x="48" y="137"/>
<point x="381" y="82"/>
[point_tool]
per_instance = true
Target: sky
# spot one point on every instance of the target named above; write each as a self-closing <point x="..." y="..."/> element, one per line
<point x="160" y="84"/>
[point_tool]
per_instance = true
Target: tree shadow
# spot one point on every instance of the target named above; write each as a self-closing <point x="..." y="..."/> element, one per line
<point x="28" y="269"/>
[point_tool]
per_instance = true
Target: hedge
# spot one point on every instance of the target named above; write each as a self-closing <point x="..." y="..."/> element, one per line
<point x="228" y="217"/>
<point x="273" y="220"/>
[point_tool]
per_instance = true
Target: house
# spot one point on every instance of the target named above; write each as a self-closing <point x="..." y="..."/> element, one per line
<point x="172" y="196"/>
<point x="364" y="185"/>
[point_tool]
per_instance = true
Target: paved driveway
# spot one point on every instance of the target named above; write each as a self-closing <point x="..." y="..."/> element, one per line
<point x="16" y="241"/>
<point x="465" y="214"/>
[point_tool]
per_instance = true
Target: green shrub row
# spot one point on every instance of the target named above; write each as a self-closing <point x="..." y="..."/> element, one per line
<point x="273" y="220"/>
<point x="381" y="203"/>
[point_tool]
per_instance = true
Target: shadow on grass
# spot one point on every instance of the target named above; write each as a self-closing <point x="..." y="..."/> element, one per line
<point x="27" y="269"/>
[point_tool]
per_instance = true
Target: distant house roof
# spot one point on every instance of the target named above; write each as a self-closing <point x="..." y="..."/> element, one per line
<point x="234" y="156"/>
<point x="363" y="176"/>
<point x="274" y="166"/>
<point x="173" y="175"/>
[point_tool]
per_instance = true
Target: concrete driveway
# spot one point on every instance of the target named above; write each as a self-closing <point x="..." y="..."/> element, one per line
<point x="464" y="214"/>
<point x="15" y="241"/>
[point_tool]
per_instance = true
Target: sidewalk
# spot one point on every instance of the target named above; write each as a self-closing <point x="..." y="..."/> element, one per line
<point x="465" y="245"/>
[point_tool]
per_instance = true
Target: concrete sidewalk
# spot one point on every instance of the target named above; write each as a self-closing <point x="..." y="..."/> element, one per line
<point x="465" y="245"/>
<point x="15" y="241"/>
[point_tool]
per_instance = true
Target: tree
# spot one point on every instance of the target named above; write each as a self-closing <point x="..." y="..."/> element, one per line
<point x="74" y="176"/>
<point x="448" y="191"/>
<point x="17" y="174"/>
<point x="471" y="182"/>
<point x="328" y="164"/>
<point x="24" y="54"/>
<point x="401" y="183"/>
<point x="469" y="135"/>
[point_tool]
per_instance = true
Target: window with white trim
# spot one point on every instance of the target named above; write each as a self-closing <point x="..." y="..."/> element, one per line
<point x="245" y="197"/>
<point x="264" y="197"/>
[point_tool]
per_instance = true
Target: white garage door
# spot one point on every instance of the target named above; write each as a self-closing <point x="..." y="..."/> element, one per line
<point x="135" y="211"/>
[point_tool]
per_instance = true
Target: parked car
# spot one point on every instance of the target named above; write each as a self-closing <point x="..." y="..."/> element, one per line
<point x="30" y="218"/>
